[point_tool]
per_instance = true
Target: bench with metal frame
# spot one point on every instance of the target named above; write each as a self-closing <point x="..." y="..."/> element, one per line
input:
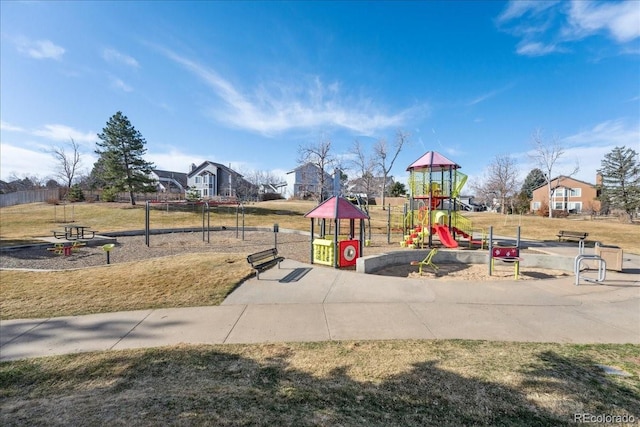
<point x="571" y="235"/>
<point x="263" y="260"/>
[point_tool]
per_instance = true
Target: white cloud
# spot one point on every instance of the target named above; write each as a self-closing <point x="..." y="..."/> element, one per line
<point x="64" y="133"/>
<point x="282" y="107"/>
<point x="517" y="9"/>
<point x="610" y="133"/>
<point x="55" y="132"/>
<point x="21" y="161"/>
<point x="39" y="49"/>
<point x="116" y="83"/>
<point x="546" y="27"/>
<point x="620" y="19"/>
<point x="9" y="127"/>
<point x="536" y="49"/>
<point x="113" y="56"/>
<point x="488" y="95"/>
<point x="174" y="160"/>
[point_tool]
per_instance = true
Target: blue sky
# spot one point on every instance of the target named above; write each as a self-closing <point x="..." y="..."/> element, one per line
<point x="247" y="83"/>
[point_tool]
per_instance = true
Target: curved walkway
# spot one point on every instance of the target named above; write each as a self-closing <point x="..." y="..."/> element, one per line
<point x="329" y="304"/>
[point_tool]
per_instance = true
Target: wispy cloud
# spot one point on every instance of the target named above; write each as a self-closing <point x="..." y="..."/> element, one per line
<point x="39" y="49"/>
<point x="608" y="133"/>
<point x="116" y="83"/>
<point x="548" y="27"/>
<point x="9" y="127"/>
<point x="64" y="133"/>
<point x="113" y="56"/>
<point x="488" y="95"/>
<point x="279" y="107"/>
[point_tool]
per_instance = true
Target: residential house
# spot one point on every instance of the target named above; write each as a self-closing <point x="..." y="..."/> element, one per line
<point x="306" y="181"/>
<point x="213" y="180"/>
<point x="170" y="182"/>
<point x="568" y="194"/>
<point x="371" y="188"/>
<point x="270" y="188"/>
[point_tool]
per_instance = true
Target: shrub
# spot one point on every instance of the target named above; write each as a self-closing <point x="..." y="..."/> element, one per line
<point x="75" y="194"/>
<point x="109" y="195"/>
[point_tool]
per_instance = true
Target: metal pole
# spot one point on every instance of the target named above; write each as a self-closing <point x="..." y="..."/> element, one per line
<point x="242" y="222"/>
<point x="389" y="225"/>
<point x="490" y="247"/>
<point x="312" y="238"/>
<point x="146" y="224"/>
<point x="237" y="220"/>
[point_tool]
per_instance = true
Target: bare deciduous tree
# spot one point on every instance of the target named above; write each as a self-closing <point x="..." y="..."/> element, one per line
<point x="546" y="154"/>
<point x="318" y="154"/>
<point x="385" y="159"/>
<point x="365" y="167"/>
<point x="67" y="163"/>
<point x="501" y="180"/>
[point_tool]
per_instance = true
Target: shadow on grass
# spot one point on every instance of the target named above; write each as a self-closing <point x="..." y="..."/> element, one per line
<point x="219" y="387"/>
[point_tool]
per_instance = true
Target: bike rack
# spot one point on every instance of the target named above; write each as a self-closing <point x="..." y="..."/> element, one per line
<point x="602" y="268"/>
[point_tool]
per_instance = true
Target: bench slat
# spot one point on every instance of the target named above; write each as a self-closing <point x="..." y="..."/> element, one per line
<point x="258" y="263"/>
<point x="571" y="235"/>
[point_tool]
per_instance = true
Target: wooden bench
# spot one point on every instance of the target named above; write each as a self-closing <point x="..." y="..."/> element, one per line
<point x="571" y="235"/>
<point x="262" y="260"/>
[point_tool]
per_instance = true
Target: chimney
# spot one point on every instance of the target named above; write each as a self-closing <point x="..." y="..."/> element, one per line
<point x="599" y="179"/>
<point x="193" y="167"/>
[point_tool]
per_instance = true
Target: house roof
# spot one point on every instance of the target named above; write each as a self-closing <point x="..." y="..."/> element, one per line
<point x="336" y="207"/>
<point x="180" y="177"/>
<point x="434" y="161"/>
<point x="305" y="166"/>
<point x="562" y="177"/>
<point x="206" y="163"/>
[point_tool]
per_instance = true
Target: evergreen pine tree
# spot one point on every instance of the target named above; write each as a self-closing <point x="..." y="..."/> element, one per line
<point x="121" y="150"/>
<point x="621" y="179"/>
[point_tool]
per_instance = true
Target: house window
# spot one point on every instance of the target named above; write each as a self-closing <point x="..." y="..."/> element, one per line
<point x="558" y="206"/>
<point x="536" y="206"/>
<point x="576" y="192"/>
<point x="204" y="192"/>
<point x="574" y="207"/>
<point x="198" y="180"/>
<point x="558" y="192"/>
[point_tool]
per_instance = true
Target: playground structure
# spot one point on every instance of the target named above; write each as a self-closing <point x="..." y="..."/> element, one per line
<point x="435" y="184"/>
<point x="342" y="250"/>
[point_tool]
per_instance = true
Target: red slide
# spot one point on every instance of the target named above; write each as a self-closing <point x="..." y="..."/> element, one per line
<point x="445" y="237"/>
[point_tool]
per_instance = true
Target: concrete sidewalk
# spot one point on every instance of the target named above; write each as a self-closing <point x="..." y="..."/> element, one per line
<point x="329" y="304"/>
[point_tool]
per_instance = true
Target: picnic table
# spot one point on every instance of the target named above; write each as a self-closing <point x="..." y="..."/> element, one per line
<point x="74" y="232"/>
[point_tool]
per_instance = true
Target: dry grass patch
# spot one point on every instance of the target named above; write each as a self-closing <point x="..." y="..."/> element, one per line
<point x="390" y="383"/>
<point x="173" y="281"/>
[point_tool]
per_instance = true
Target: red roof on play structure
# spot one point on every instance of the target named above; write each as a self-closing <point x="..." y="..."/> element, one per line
<point x="345" y="210"/>
<point x="433" y="160"/>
